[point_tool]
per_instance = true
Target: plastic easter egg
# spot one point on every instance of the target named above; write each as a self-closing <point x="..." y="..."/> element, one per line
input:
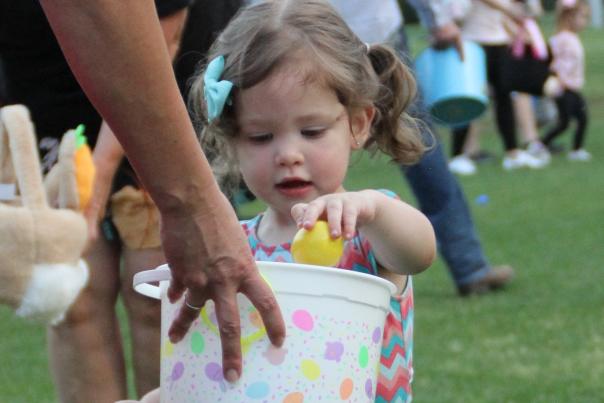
<point x="316" y="246"/>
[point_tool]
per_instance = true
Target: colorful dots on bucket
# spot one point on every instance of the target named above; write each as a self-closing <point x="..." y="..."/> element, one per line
<point x="363" y="356"/>
<point x="257" y="390"/>
<point x="177" y="370"/>
<point x="214" y="372"/>
<point x="303" y="320"/>
<point x="346" y="389"/>
<point x="275" y="355"/>
<point x="334" y="351"/>
<point x="369" y="388"/>
<point x="197" y="343"/>
<point x="310" y="370"/>
<point x="377" y="335"/>
<point x="168" y="349"/>
<point x="295" y="397"/>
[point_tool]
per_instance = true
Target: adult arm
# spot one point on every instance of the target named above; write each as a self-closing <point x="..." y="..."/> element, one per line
<point x="435" y="16"/>
<point x="116" y="51"/>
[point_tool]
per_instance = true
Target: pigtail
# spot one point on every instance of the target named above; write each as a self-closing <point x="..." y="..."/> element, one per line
<point x="394" y="131"/>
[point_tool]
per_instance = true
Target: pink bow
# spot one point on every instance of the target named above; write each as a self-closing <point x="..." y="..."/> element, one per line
<point x="569" y="3"/>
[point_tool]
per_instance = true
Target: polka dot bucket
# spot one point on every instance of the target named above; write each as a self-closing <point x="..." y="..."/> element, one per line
<point x="335" y="321"/>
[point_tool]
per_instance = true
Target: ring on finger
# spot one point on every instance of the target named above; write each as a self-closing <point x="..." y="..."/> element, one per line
<point x="193" y="307"/>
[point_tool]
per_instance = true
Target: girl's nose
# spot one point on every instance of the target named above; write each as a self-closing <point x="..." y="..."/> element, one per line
<point x="288" y="153"/>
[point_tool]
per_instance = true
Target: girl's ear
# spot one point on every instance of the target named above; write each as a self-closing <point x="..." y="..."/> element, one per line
<point x="360" y="125"/>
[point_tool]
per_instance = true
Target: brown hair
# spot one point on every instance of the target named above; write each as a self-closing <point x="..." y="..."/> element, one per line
<point x="565" y="14"/>
<point x="261" y="37"/>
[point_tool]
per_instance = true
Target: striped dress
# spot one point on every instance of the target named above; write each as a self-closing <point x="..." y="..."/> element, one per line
<point x="396" y="371"/>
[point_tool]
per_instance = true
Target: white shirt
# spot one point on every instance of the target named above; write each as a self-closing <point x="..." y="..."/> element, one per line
<point x="373" y="21"/>
<point x="485" y="25"/>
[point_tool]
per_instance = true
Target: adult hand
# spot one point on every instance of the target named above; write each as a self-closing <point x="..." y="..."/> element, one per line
<point x="448" y="35"/>
<point x="210" y="259"/>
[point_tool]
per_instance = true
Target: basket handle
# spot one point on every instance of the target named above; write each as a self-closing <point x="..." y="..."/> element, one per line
<point x="24" y="153"/>
<point x="141" y="281"/>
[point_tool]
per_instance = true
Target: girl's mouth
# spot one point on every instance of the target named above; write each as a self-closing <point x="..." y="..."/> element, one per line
<point x="294" y="187"/>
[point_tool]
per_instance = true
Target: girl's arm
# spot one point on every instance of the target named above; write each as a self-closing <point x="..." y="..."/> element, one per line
<point x="401" y="236"/>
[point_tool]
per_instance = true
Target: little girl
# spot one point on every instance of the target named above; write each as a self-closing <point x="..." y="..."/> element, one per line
<point x="569" y="66"/>
<point x="289" y="93"/>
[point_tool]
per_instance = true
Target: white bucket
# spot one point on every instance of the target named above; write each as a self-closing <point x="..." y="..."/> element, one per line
<point x="335" y="322"/>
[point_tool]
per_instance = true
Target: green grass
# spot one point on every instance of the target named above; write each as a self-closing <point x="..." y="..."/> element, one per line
<point x="542" y="340"/>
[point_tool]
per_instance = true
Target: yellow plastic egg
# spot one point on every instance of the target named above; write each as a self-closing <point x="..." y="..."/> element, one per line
<point x="316" y="246"/>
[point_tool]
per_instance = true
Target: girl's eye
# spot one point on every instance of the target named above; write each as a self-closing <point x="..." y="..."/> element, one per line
<point x="313" y="132"/>
<point x="260" y="138"/>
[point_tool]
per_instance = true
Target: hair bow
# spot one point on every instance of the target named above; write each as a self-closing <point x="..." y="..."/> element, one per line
<point x="569" y="3"/>
<point x="215" y="92"/>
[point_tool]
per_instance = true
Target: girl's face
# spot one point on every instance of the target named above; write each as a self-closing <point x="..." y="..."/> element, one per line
<point x="295" y="138"/>
<point x="580" y="19"/>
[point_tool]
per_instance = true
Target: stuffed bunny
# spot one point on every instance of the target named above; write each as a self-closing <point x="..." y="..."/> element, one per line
<point x="41" y="270"/>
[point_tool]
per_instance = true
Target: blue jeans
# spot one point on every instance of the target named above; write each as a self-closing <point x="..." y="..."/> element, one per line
<point x="441" y="199"/>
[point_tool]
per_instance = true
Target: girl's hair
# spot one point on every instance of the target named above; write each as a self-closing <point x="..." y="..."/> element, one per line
<point x="565" y="12"/>
<point x="262" y="37"/>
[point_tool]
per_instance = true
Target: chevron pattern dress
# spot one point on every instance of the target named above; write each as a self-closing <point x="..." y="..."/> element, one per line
<point x="396" y="372"/>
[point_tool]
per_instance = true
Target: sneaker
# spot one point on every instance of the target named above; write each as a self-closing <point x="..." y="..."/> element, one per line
<point x="521" y="159"/>
<point x="579" y="155"/>
<point x="481" y="156"/>
<point x="462" y="165"/>
<point x="539" y="151"/>
<point x="497" y="278"/>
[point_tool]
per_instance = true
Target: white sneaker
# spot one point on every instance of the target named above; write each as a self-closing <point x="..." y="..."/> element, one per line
<point x="579" y="155"/>
<point x="521" y="159"/>
<point x="539" y="151"/>
<point x="462" y="165"/>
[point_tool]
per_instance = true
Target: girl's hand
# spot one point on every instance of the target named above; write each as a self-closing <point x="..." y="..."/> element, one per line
<point x="342" y="211"/>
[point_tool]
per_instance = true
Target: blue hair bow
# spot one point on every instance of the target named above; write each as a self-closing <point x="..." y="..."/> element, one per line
<point x="216" y="93"/>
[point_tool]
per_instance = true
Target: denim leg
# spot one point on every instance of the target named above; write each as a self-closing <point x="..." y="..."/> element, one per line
<point x="441" y="199"/>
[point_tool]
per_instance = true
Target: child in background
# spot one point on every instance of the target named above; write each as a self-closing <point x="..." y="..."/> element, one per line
<point x="289" y="93"/>
<point x="569" y="66"/>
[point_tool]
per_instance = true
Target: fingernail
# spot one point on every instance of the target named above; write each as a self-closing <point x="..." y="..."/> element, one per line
<point x="335" y="234"/>
<point x="174" y="338"/>
<point x="279" y="342"/>
<point x="232" y="376"/>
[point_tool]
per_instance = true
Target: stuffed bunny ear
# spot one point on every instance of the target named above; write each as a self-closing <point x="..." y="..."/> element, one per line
<point x="60" y="182"/>
<point x="7" y="171"/>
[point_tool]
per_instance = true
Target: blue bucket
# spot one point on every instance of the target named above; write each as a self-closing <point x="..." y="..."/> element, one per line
<point x="454" y="92"/>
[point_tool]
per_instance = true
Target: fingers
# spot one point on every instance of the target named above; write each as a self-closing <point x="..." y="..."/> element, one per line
<point x="176" y="289"/>
<point x="297" y="213"/>
<point x="349" y="221"/>
<point x="227" y="314"/>
<point x="262" y="297"/>
<point x="334" y="217"/>
<point x="188" y="312"/>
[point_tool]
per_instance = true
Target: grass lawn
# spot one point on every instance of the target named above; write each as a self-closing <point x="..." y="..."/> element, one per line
<point x="541" y="340"/>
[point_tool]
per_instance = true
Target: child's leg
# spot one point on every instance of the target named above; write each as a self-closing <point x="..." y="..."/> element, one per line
<point x="580" y="112"/>
<point x="523" y="108"/>
<point x="562" y="103"/>
<point x="144" y="317"/>
<point x="458" y="141"/>
<point x="86" y="357"/>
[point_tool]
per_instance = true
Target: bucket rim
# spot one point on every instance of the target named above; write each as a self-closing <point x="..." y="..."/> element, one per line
<point x="161" y="273"/>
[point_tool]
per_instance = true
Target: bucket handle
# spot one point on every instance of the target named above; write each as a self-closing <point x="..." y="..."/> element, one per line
<point x="141" y="281"/>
